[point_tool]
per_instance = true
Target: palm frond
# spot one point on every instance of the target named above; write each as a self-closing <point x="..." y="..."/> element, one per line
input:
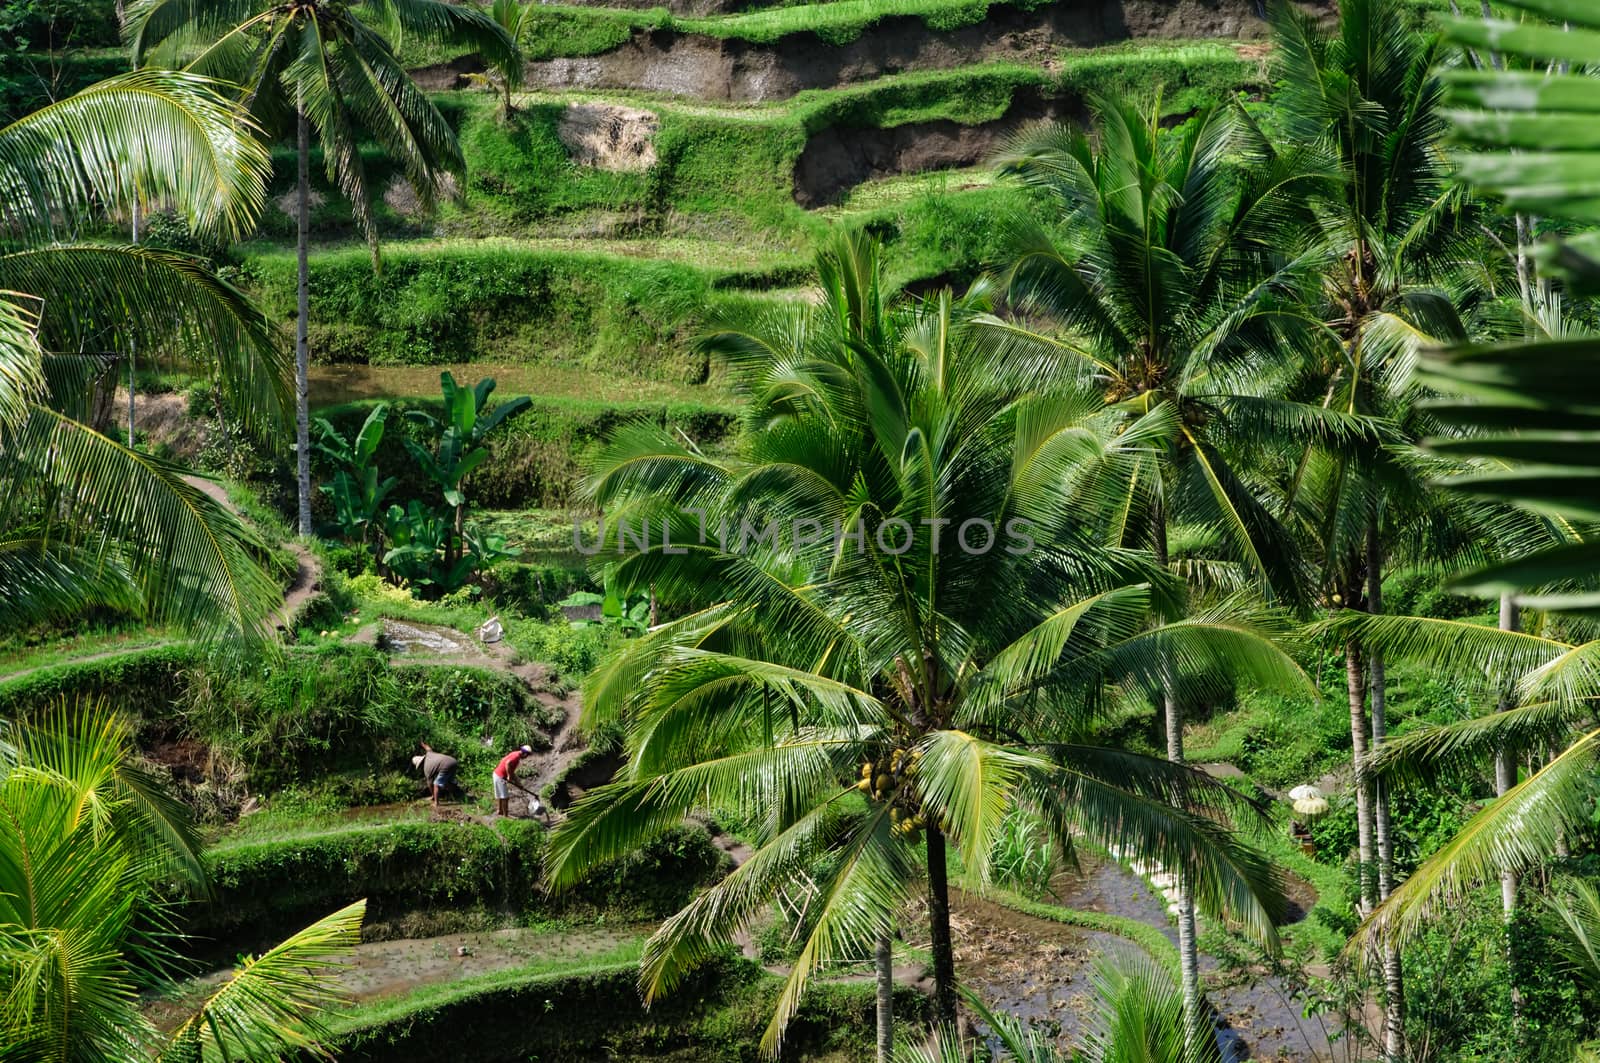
<point x="22" y="378"/>
<point x="146" y="137"/>
<point x="968" y="787"/>
<point x="273" y="1004"/>
<point x="189" y="558"/>
<point x="107" y="296"/>
<point x="1513" y="833"/>
<point x="1417" y="757"/>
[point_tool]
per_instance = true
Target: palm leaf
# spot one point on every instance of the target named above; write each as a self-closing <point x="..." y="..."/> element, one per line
<point x="150" y="136"/>
<point x="272" y="1005"/>
<point x="1516" y="832"/>
<point x="189" y="558"/>
<point x="101" y="296"/>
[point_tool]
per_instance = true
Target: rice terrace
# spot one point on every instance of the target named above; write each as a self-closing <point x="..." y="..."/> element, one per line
<point x="921" y="531"/>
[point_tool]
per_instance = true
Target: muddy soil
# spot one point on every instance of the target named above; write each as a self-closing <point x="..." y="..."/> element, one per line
<point x="837" y="159"/>
<point x="1043" y="971"/>
<point x="1036" y="969"/>
<point x="712" y="68"/>
<point x="585" y="777"/>
<point x="391" y="968"/>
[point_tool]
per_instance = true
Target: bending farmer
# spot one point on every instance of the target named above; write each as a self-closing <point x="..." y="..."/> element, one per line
<point x="438" y="770"/>
<point x="504" y="774"/>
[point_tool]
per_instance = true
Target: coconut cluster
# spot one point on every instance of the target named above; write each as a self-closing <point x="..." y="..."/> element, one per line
<point x="879" y="779"/>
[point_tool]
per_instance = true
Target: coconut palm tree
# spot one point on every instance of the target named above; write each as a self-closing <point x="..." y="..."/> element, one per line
<point x="1166" y="279"/>
<point x="898" y="630"/>
<point x="1554" y="689"/>
<point x="325" y="68"/>
<point x="84" y="520"/>
<point x="517" y="20"/>
<point x="1395" y="240"/>
<point x="1535" y="437"/>
<point x="85" y="833"/>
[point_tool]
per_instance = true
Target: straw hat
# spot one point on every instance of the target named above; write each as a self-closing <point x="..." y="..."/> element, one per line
<point x="416" y="762"/>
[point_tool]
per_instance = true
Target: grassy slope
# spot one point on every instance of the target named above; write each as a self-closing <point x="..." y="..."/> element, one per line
<point x="723" y="179"/>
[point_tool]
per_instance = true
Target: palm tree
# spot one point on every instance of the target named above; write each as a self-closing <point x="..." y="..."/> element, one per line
<point x="1554" y="688"/>
<point x="1172" y="294"/>
<point x="325" y="66"/>
<point x="925" y="683"/>
<point x="84" y="520"/>
<point x="84" y="834"/>
<point x="1390" y="233"/>
<point x="517" y="20"/>
<point x="1536" y="431"/>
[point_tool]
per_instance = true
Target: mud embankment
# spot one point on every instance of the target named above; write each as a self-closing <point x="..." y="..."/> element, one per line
<point x="712" y="68"/>
<point x="837" y="159"/>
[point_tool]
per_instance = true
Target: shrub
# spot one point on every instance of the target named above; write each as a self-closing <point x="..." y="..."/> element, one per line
<point x="340" y="709"/>
<point x="140" y="682"/>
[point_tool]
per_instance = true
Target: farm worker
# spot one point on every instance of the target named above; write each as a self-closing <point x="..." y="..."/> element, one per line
<point x="504" y="773"/>
<point x="438" y="770"/>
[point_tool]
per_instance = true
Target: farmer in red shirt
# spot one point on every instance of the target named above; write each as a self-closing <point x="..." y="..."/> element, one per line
<point x="504" y="773"/>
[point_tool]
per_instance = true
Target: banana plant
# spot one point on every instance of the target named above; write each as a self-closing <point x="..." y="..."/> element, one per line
<point x="357" y="493"/>
<point x="629" y="617"/>
<point x="458" y="446"/>
<point x="416" y="537"/>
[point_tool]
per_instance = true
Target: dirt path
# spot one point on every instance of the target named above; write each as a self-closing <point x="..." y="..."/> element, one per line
<point x="308" y="571"/>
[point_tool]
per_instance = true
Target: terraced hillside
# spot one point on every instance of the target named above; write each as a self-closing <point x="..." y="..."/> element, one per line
<point x="662" y="164"/>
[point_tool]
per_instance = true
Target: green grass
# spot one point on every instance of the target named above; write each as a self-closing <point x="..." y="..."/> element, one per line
<point x="577" y="31"/>
<point x="65" y="649"/>
<point x="340" y="384"/>
<point x="496" y="303"/>
<point x="136" y="680"/>
<point x="871" y="197"/>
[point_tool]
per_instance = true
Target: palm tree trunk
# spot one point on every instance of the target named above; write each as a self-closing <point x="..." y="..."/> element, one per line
<point x="1505" y="777"/>
<point x="1356" y="686"/>
<point x="884" y="960"/>
<point x="133" y="347"/>
<point x="1172" y="718"/>
<point x="1394" y="1013"/>
<point x="944" y="960"/>
<point x="302" y="345"/>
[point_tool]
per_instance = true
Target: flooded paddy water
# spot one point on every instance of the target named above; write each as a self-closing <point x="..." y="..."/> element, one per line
<point x="1038" y="970"/>
<point x="1043" y="971"/>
